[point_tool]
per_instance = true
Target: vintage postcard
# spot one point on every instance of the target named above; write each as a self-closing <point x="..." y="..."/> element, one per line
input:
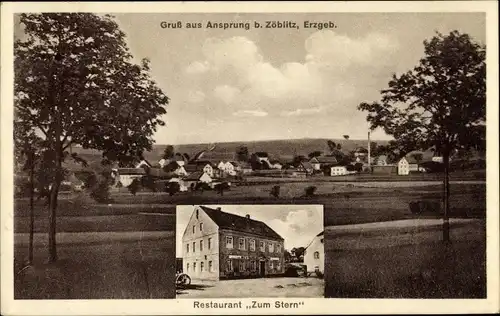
<point x="249" y="158"/>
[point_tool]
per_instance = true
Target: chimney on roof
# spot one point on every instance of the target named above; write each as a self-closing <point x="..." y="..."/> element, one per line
<point x="218" y="209"/>
<point x="247" y="216"/>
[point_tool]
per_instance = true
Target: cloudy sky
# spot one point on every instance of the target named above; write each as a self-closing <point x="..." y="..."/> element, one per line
<point x="257" y="84"/>
<point x="297" y="224"/>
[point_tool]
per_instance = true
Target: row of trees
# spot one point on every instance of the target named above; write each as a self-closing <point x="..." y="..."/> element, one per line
<point x="75" y="85"/>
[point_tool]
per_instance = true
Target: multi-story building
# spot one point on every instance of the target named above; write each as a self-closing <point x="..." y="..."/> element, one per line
<point x="219" y="245"/>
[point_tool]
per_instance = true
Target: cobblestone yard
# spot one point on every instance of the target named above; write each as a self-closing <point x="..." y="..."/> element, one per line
<point x="268" y="287"/>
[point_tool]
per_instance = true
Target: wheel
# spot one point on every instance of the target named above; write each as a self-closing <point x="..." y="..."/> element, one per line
<point x="183" y="279"/>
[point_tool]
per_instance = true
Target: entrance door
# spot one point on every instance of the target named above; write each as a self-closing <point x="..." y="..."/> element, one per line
<point x="262" y="269"/>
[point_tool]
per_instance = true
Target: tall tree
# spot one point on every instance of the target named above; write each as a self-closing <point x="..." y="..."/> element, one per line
<point x="242" y="153"/>
<point x="75" y="83"/>
<point x="168" y="152"/>
<point x="346" y="137"/>
<point x="439" y="104"/>
<point x="315" y="153"/>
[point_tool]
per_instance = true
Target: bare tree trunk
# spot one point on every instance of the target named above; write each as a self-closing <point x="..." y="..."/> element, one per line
<point x="32" y="209"/>
<point x="446" y="198"/>
<point x="54" y="191"/>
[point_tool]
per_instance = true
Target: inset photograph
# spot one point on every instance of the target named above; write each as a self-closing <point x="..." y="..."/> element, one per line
<point x="249" y="251"/>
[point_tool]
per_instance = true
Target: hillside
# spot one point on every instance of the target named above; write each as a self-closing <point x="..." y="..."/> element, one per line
<point x="278" y="149"/>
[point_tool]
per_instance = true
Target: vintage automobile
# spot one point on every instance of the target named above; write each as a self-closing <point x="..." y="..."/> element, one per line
<point x="182" y="279"/>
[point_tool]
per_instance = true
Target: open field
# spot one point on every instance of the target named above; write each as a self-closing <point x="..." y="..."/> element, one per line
<point x="344" y="204"/>
<point x="131" y="269"/>
<point x="406" y="262"/>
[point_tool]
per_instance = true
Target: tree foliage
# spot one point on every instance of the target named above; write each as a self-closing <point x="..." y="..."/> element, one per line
<point x="441" y="103"/>
<point x="242" y="153"/>
<point x="75" y="83"/>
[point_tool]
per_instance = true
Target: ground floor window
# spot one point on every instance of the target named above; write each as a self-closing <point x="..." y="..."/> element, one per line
<point x="242" y="266"/>
<point x="202" y="265"/>
<point x="253" y="265"/>
<point x="210" y="266"/>
<point x="229" y="265"/>
<point x="194" y="267"/>
<point x="187" y="267"/>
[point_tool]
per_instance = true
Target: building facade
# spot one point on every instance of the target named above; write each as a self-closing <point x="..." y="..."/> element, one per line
<point x="219" y="245"/>
<point x="338" y="171"/>
<point x="314" y="255"/>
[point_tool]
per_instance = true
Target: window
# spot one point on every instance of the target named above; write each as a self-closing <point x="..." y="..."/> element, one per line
<point x="278" y="247"/>
<point x="252" y="244"/>
<point x="201" y="227"/>
<point x="230" y="265"/>
<point x="187" y="248"/>
<point x="253" y="265"/>
<point x="271" y="247"/>
<point x="202" y="264"/>
<point x="201" y="245"/>
<point x="194" y="246"/>
<point x="194" y="267"/>
<point x="197" y="214"/>
<point x="242" y="243"/>
<point x="242" y="265"/>
<point x="229" y="242"/>
<point x="194" y="229"/>
<point x="210" y="266"/>
<point x="278" y="265"/>
<point x="209" y="243"/>
<point x="316" y="255"/>
<point x="261" y="246"/>
<point x="187" y="267"/>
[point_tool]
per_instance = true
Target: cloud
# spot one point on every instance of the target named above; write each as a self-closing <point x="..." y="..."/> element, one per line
<point x="250" y="113"/>
<point x="196" y="96"/>
<point x="332" y="75"/>
<point x="226" y="93"/>
<point x="300" y="112"/>
<point x="329" y="49"/>
<point x="197" y="67"/>
<point x="299" y="227"/>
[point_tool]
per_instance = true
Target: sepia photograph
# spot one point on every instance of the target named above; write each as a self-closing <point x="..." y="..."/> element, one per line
<point x="187" y="153"/>
<point x="249" y="251"/>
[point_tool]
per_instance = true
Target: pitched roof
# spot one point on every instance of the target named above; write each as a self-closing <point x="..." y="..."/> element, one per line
<point x="158" y="172"/>
<point x="326" y="159"/>
<point x="194" y="176"/>
<point x="131" y="171"/>
<point x="240" y="223"/>
<point x="307" y="165"/>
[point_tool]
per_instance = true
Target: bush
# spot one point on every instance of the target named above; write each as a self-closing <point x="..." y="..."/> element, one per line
<point x="172" y="188"/>
<point x="275" y="191"/>
<point x="309" y="191"/>
<point x="100" y="191"/>
<point x="134" y="186"/>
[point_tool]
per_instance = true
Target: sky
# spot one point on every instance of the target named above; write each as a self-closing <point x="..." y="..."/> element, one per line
<point x="297" y="224"/>
<point x="265" y="83"/>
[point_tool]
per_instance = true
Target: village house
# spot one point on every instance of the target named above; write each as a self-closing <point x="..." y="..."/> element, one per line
<point x="381" y="160"/>
<point x="204" y="166"/>
<point x="198" y="176"/>
<point x="306" y="167"/>
<point x="403" y="167"/>
<point x="219" y="245"/>
<point x="314" y="255"/>
<point x="126" y="175"/>
<point x="338" y="171"/>
<point x="322" y="161"/>
<point x="143" y="163"/>
<point x="176" y="168"/>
